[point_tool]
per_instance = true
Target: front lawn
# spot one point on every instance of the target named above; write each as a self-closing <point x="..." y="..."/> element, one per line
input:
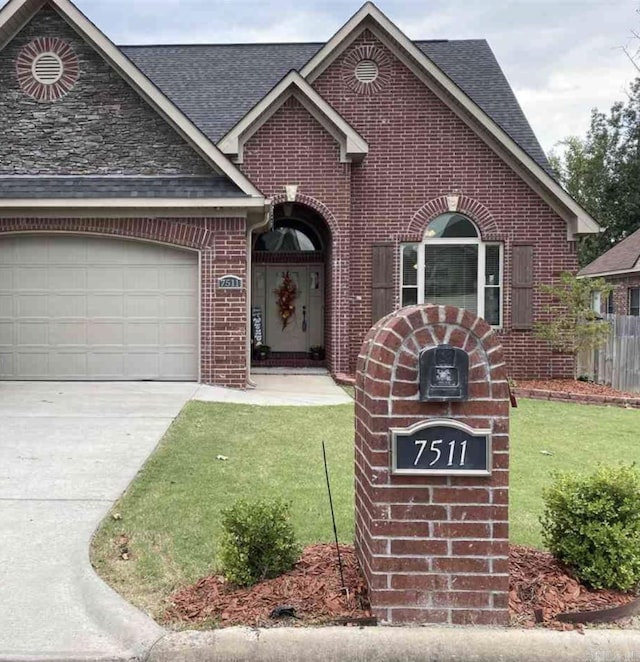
<point x="167" y="523"/>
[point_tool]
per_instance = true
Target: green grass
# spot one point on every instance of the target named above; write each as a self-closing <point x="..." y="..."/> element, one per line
<point x="170" y="514"/>
<point x="578" y="436"/>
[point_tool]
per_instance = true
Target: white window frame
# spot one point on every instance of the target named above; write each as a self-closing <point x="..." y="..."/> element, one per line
<point x="481" y="276"/>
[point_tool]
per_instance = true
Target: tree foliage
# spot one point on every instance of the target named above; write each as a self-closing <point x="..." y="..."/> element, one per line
<point x="573" y="325"/>
<point x="602" y="172"/>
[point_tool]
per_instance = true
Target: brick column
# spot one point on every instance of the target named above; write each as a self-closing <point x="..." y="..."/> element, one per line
<point x="433" y="549"/>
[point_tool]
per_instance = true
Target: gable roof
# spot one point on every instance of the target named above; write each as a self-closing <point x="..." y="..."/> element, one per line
<point x="622" y="258"/>
<point x="217" y="85"/>
<point x="352" y="144"/>
<point x="486" y="128"/>
<point x="17" y="13"/>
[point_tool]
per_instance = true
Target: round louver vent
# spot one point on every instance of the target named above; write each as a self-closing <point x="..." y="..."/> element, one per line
<point x="47" y="68"/>
<point x="367" y="71"/>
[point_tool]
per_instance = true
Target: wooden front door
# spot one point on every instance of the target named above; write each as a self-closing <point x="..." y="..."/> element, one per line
<point x="305" y="327"/>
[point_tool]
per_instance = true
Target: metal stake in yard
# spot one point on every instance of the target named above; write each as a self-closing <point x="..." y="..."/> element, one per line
<point x="333" y="517"/>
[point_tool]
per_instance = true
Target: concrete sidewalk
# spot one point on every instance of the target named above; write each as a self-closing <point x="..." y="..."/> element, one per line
<point x="67" y="452"/>
<point x="410" y="644"/>
<point x="276" y="389"/>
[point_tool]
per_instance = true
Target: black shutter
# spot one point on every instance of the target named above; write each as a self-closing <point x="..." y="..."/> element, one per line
<point x="522" y="287"/>
<point x="382" y="281"/>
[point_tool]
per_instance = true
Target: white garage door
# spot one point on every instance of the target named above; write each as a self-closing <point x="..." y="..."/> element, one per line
<point x="90" y="308"/>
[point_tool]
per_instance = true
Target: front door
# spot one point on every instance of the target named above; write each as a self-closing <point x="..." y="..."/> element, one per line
<point x="305" y="326"/>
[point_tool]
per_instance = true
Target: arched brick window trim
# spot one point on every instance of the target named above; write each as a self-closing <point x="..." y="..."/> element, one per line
<point x="157" y="230"/>
<point x="475" y="210"/>
<point x="312" y="203"/>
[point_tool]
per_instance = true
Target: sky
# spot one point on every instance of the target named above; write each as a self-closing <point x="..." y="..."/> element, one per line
<point x="563" y="58"/>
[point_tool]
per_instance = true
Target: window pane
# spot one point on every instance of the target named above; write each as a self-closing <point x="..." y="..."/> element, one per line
<point x="634" y="301"/>
<point x="409" y="296"/>
<point x="410" y="264"/>
<point x="451" y="276"/>
<point x="451" y="226"/>
<point x="492" y="265"/>
<point x="492" y="305"/>
<point x="610" y="304"/>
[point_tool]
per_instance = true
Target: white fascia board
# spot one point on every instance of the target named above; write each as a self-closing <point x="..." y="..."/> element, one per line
<point x="369" y="16"/>
<point x="602" y="274"/>
<point x="14" y="16"/>
<point x="143" y="86"/>
<point x="353" y="145"/>
<point x="133" y="203"/>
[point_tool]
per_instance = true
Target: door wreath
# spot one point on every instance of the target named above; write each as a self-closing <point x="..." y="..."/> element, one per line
<point x="286" y="296"/>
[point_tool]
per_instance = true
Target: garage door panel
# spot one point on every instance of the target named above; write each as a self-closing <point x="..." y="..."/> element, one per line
<point x="68" y="333"/>
<point x="6" y="333"/>
<point x="105" y="333"/>
<point x="106" y="365"/>
<point x="143" y="305"/>
<point x="67" y="278"/>
<point x="6" y="305"/>
<point x="6" y="277"/>
<point x="31" y="278"/>
<point x="105" y="305"/>
<point x="67" y="305"/>
<point x="91" y="308"/>
<point x="31" y="252"/>
<point x="180" y="278"/>
<point x="180" y="306"/>
<point x="141" y="333"/>
<point x="32" y="333"/>
<point x="105" y="279"/>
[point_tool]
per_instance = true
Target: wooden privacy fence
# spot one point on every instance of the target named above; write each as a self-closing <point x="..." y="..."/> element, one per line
<point x="617" y="364"/>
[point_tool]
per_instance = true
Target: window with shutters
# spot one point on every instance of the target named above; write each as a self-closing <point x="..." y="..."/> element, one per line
<point x="634" y="301"/>
<point x="453" y="266"/>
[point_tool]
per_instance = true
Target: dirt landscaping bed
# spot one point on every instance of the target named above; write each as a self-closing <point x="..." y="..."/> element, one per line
<point x="571" y="390"/>
<point x="312" y="593"/>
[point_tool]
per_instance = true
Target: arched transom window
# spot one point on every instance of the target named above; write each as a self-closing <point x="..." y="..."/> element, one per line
<point x="454" y="267"/>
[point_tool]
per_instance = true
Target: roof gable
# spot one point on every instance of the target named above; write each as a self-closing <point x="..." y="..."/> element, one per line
<point x="369" y="17"/>
<point x="352" y="144"/>
<point x="17" y="13"/>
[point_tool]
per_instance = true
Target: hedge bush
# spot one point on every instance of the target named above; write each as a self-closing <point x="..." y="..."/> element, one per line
<point x="258" y="541"/>
<point x="592" y="524"/>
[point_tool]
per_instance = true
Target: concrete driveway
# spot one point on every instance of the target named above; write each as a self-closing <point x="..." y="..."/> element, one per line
<point x="67" y="452"/>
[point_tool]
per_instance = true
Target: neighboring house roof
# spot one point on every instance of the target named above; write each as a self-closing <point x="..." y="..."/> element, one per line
<point x="217" y="186"/>
<point x="623" y="257"/>
<point x="217" y="85"/>
<point x="17" y="13"/>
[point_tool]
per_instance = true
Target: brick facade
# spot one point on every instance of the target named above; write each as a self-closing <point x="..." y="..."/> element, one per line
<point x="221" y="243"/>
<point x="433" y="549"/>
<point x="620" y="292"/>
<point x="419" y="152"/>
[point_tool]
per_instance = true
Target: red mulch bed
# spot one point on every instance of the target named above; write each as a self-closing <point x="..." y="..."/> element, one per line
<point x="572" y="386"/>
<point x="313" y="589"/>
<point x="538" y="581"/>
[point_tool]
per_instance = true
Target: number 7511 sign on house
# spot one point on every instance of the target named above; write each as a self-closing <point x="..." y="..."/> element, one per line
<point x="441" y="447"/>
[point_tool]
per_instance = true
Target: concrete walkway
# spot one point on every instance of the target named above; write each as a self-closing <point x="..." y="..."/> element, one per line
<point x="67" y="452"/>
<point x="276" y="389"/>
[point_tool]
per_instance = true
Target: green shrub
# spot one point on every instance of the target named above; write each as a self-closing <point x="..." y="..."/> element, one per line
<point x="592" y="523"/>
<point x="258" y="541"/>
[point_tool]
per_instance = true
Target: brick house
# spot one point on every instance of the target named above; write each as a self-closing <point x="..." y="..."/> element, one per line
<point x="157" y="201"/>
<point x="619" y="266"/>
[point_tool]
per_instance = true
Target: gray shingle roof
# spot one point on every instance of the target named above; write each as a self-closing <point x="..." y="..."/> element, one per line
<point x="118" y="187"/>
<point x="622" y="257"/>
<point x="217" y="85"/>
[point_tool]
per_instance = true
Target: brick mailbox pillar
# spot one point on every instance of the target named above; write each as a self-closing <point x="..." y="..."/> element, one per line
<point x="432" y="476"/>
